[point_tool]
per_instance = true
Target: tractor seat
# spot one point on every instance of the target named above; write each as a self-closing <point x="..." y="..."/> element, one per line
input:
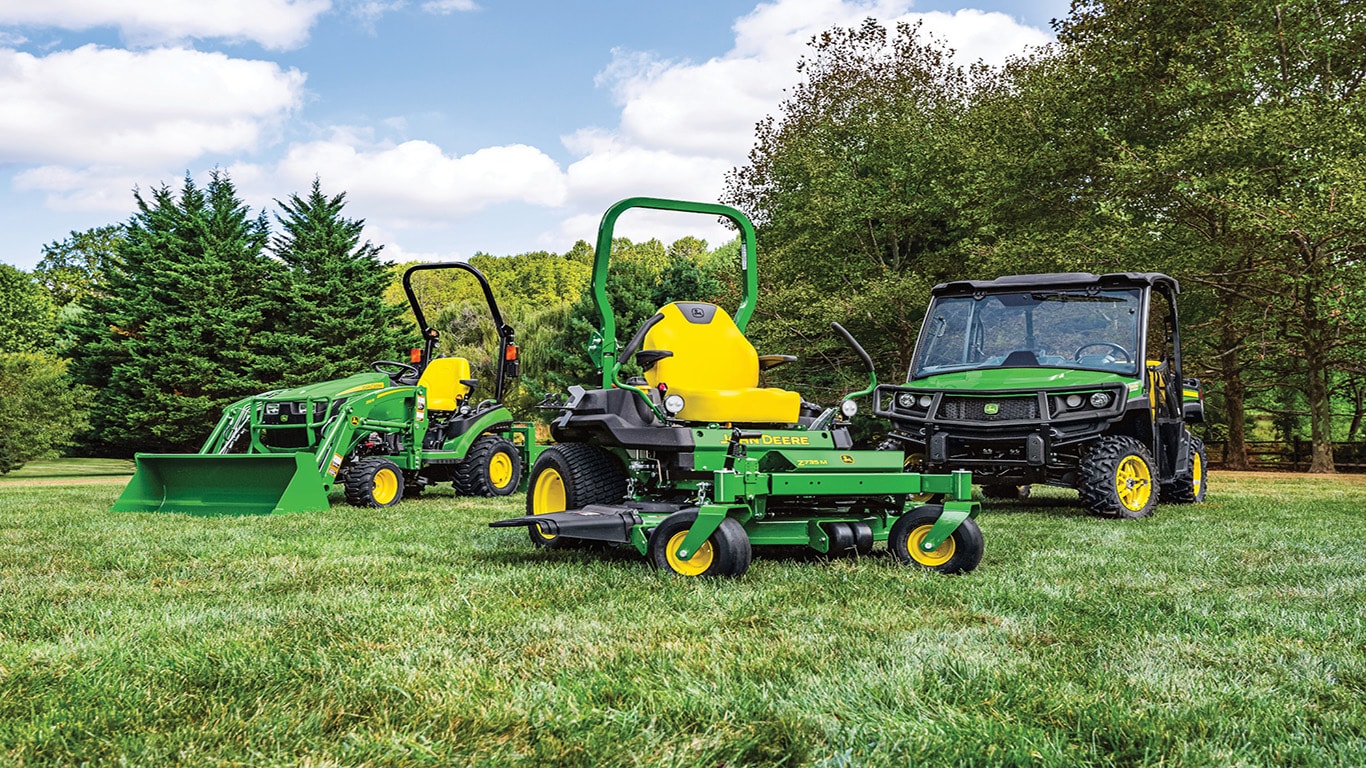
<point x="713" y="367"/>
<point x="448" y="381"/>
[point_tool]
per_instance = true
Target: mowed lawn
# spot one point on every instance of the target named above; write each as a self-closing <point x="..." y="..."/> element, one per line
<point x="1224" y="634"/>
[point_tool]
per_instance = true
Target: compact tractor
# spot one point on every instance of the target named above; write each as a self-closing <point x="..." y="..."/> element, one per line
<point x="378" y="436"/>
<point x="1072" y="380"/>
<point x="692" y="462"/>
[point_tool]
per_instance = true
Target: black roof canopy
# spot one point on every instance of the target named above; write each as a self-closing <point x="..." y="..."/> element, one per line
<point x="1057" y="281"/>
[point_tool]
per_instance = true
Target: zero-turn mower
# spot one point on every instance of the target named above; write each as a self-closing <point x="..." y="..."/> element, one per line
<point x="379" y="436"/>
<point x="693" y="463"/>
<point x="1069" y="379"/>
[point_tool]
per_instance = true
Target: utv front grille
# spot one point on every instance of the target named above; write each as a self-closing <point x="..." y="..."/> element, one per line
<point x="989" y="409"/>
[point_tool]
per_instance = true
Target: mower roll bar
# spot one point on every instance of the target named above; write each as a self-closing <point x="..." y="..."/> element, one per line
<point x="430" y="335"/>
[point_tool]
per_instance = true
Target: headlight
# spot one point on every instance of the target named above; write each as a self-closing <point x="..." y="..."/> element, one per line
<point x="848" y="408"/>
<point x="905" y="399"/>
<point x="1073" y="401"/>
<point x="925" y="400"/>
<point x="673" y="404"/>
<point x="272" y="409"/>
<point x="1100" y="399"/>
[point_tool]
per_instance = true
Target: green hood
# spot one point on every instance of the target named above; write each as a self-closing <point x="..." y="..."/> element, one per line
<point x="351" y="385"/>
<point x="998" y="379"/>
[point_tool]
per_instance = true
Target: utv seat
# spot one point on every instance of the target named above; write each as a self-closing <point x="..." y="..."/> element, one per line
<point x="448" y="382"/>
<point x="715" y="369"/>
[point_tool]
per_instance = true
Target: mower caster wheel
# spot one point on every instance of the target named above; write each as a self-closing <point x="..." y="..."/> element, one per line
<point x="373" y="481"/>
<point x="959" y="553"/>
<point x="726" y="553"/>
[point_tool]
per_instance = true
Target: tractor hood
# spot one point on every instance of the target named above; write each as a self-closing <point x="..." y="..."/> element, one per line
<point x="1002" y="379"/>
<point x="330" y="390"/>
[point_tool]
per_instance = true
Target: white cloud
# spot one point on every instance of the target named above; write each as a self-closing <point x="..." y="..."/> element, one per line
<point x="97" y="105"/>
<point x="277" y="24"/>
<point x="444" y="7"/>
<point x="415" y="180"/>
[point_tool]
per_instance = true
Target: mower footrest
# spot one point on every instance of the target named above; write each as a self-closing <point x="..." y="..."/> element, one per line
<point x="595" y="522"/>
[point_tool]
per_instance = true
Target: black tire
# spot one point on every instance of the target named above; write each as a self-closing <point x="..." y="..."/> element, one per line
<point x="1118" y="479"/>
<point x="571" y="476"/>
<point x="1189" y="488"/>
<point x="960" y="552"/>
<point x="491" y="467"/>
<point x="727" y="552"/>
<point x="841" y="538"/>
<point x="372" y="481"/>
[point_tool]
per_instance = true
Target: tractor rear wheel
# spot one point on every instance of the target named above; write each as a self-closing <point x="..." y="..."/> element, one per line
<point x="571" y="476"/>
<point x="727" y="552"/>
<point x="372" y="481"/>
<point x="1189" y="489"/>
<point x="492" y="467"/>
<point x="1118" y="478"/>
<point x="959" y="553"/>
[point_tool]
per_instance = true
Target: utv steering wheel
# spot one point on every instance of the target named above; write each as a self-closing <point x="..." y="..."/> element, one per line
<point x="406" y="374"/>
<point x="1127" y="357"/>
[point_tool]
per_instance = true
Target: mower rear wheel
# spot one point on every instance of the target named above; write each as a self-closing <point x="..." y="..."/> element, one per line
<point x="492" y="467"/>
<point x="571" y="476"/>
<point x="1189" y="489"/>
<point x="1118" y="478"/>
<point x="959" y="553"/>
<point x="373" y="481"/>
<point x="727" y="552"/>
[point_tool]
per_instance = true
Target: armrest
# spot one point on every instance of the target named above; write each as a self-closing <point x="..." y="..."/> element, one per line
<point x="773" y="361"/>
<point x="471" y="383"/>
<point x="648" y="357"/>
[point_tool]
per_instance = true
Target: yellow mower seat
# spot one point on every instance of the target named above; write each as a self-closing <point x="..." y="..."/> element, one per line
<point x="714" y="368"/>
<point x="444" y="379"/>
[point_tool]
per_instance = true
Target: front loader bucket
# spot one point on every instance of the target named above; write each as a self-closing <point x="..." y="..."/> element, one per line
<point x="224" y="484"/>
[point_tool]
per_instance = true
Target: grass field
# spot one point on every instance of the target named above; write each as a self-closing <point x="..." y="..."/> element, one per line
<point x="1225" y="634"/>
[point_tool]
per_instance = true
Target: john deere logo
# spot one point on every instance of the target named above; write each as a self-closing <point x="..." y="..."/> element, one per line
<point x="991" y="409"/>
<point x="846" y="458"/>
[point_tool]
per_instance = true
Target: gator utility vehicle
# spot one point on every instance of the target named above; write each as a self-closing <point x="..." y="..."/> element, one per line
<point x="693" y="462"/>
<point x="379" y="436"/>
<point x="1068" y="379"/>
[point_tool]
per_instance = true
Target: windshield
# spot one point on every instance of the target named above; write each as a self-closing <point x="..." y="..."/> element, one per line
<point x="1088" y="330"/>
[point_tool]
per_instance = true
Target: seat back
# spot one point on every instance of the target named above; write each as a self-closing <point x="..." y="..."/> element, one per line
<point x="709" y="352"/>
<point x="442" y="378"/>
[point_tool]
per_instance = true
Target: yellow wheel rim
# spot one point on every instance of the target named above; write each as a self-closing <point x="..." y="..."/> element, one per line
<point x="500" y="470"/>
<point x="698" y="565"/>
<point x="1134" y="483"/>
<point x="935" y="557"/>
<point x="1197" y="474"/>
<point x="386" y="486"/>
<point x="547" y="496"/>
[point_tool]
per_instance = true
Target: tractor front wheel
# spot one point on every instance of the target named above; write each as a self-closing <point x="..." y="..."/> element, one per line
<point x="959" y="553"/>
<point x="1118" y="478"/>
<point x="727" y="552"/>
<point x="373" y="481"/>
<point x="571" y="476"/>
<point x="492" y="467"/>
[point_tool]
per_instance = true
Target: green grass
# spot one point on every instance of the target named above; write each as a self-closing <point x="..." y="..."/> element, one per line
<point x="1230" y="633"/>
<point x="69" y="469"/>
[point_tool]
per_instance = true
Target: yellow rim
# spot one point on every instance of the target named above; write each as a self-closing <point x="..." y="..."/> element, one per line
<point x="500" y="470"/>
<point x="1134" y="483"/>
<point x="386" y="486"/>
<point x="935" y="557"/>
<point x="698" y="565"/>
<point x="547" y="496"/>
<point x="1197" y="474"/>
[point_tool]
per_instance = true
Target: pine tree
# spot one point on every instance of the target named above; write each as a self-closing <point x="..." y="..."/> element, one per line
<point x="168" y="334"/>
<point x="329" y="318"/>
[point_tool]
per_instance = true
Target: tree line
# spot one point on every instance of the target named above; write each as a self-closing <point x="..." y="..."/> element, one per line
<point x="1220" y="141"/>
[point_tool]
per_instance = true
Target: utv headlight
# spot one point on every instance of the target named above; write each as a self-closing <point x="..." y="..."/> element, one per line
<point x="905" y="399"/>
<point x="925" y="400"/>
<point x="673" y="404"/>
<point x="1100" y="399"/>
<point x="1073" y="401"/>
<point x="848" y="408"/>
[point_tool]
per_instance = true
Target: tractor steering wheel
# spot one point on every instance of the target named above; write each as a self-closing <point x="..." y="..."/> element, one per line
<point x="1127" y="357"/>
<point x="406" y="374"/>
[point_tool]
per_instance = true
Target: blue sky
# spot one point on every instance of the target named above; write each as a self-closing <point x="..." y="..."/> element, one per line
<point x="454" y="126"/>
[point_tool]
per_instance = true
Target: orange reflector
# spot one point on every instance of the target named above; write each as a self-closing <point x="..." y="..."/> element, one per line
<point x="511" y="353"/>
<point x="415" y="355"/>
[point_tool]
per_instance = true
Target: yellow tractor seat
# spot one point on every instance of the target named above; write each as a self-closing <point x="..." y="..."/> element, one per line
<point x="445" y="379"/>
<point x="713" y="367"/>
